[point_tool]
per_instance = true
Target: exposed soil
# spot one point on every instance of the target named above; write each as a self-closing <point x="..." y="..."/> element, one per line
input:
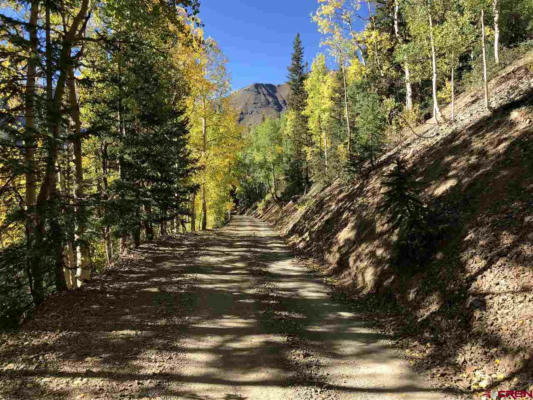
<point x="465" y="315"/>
<point x="227" y="314"/>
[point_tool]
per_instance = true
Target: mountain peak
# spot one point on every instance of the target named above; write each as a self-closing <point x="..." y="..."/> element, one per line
<point x="260" y="101"/>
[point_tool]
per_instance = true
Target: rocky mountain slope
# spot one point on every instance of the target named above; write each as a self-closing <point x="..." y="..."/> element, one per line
<point x="260" y="101"/>
<point x="469" y="309"/>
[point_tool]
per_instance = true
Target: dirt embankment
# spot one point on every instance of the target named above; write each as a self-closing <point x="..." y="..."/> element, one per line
<point x="468" y="314"/>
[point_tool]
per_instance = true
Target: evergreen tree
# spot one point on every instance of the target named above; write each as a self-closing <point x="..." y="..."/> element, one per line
<point x="297" y="75"/>
<point x="297" y="172"/>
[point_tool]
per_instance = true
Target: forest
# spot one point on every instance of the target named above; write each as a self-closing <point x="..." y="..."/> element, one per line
<point x="357" y="99"/>
<point x="130" y="196"/>
<point x="115" y="129"/>
<point x="117" y="125"/>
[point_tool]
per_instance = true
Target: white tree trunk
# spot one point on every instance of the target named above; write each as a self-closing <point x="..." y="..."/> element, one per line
<point x="82" y="254"/>
<point x="436" y="109"/>
<point x="453" y="94"/>
<point x="496" y="9"/>
<point x="346" y="113"/>
<point x="485" y="78"/>
<point x="204" y="194"/>
<point x="408" y="88"/>
<point x="326" y="149"/>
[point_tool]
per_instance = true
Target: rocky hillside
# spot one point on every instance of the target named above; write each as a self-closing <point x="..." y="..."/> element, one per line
<point x="470" y="306"/>
<point x="260" y="101"/>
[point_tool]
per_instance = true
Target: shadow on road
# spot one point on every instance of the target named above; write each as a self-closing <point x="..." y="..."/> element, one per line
<point x="226" y="314"/>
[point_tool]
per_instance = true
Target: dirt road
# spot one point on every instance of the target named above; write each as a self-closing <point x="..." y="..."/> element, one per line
<point x="227" y="314"/>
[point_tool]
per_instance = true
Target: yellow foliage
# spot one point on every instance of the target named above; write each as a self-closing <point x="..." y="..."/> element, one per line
<point x="445" y="94"/>
<point x="216" y="136"/>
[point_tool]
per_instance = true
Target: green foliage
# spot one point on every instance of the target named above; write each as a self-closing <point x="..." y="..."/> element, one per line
<point x="419" y="226"/>
<point x="155" y="163"/>
<point x="402" y="200"/>
<point x="297" y="76"/>
<point x="297" y="184"/>
<point x="261" y="165"/>
<point x="15" y="298"/>
<point x="297" y="172"/>
<point x="376" y="68"/>
<point x="98" y="139"/>
<point x="473" y="76"/>
<point x="408" y="215"/>
<point x="516" y="21"/>
<point x="369" y="131"/>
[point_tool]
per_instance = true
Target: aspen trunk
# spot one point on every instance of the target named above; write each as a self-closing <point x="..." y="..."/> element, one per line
<point x="56" y="234"/>
<point x="496" y="9"/>
<point x="452" y="116"/>
<point x="326" y="150"/>
<point x="204" y="208"/>
<point x="193" y="213"/>
<point x="204" y="199"/>
<point x="408" y="87"/>
<point x="485" y="78"/>
<point x="436" y="109"/>
<point x="65" y="179"/>
<point x="274" y="181"/>
<point x="47" y="201"/>
<point x="123" y="240"/>
<point x="83" y="271"/>
<point x="105" y="196"/>
<point x="346" y="113"/>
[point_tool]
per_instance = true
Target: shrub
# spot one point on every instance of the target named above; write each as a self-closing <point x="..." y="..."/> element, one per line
<point x="419" y="227"/>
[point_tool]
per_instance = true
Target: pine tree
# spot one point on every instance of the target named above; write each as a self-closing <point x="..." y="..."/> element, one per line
<point x="297" y="172"/>
<point x="297" y="75"/>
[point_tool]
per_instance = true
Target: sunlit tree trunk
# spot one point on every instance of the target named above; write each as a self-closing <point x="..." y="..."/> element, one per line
<point x="326" y="151"/>
<point x="204" y="194"/>
<point x="204" y="208"/>
<point x="123" y="240"/>
<point x="496" y="10"/>
<point x="274" y="181"/>
<point x="325" y="137"/>
<point x="105" y="197"/>
<point x="346" y="112"/>
<point x="452" y="116"/>
<point x="83" y="271"/>
<point x="436" y="109"/>
<point x="484" y="51"/>
<point x="64" y="179"/>
<point x="47" y="202"/>
<point x="193" y="212"/>
<point x="408" y="87"/>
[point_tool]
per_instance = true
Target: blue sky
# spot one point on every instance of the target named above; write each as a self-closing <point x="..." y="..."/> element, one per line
<point x="256" y="36"/>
